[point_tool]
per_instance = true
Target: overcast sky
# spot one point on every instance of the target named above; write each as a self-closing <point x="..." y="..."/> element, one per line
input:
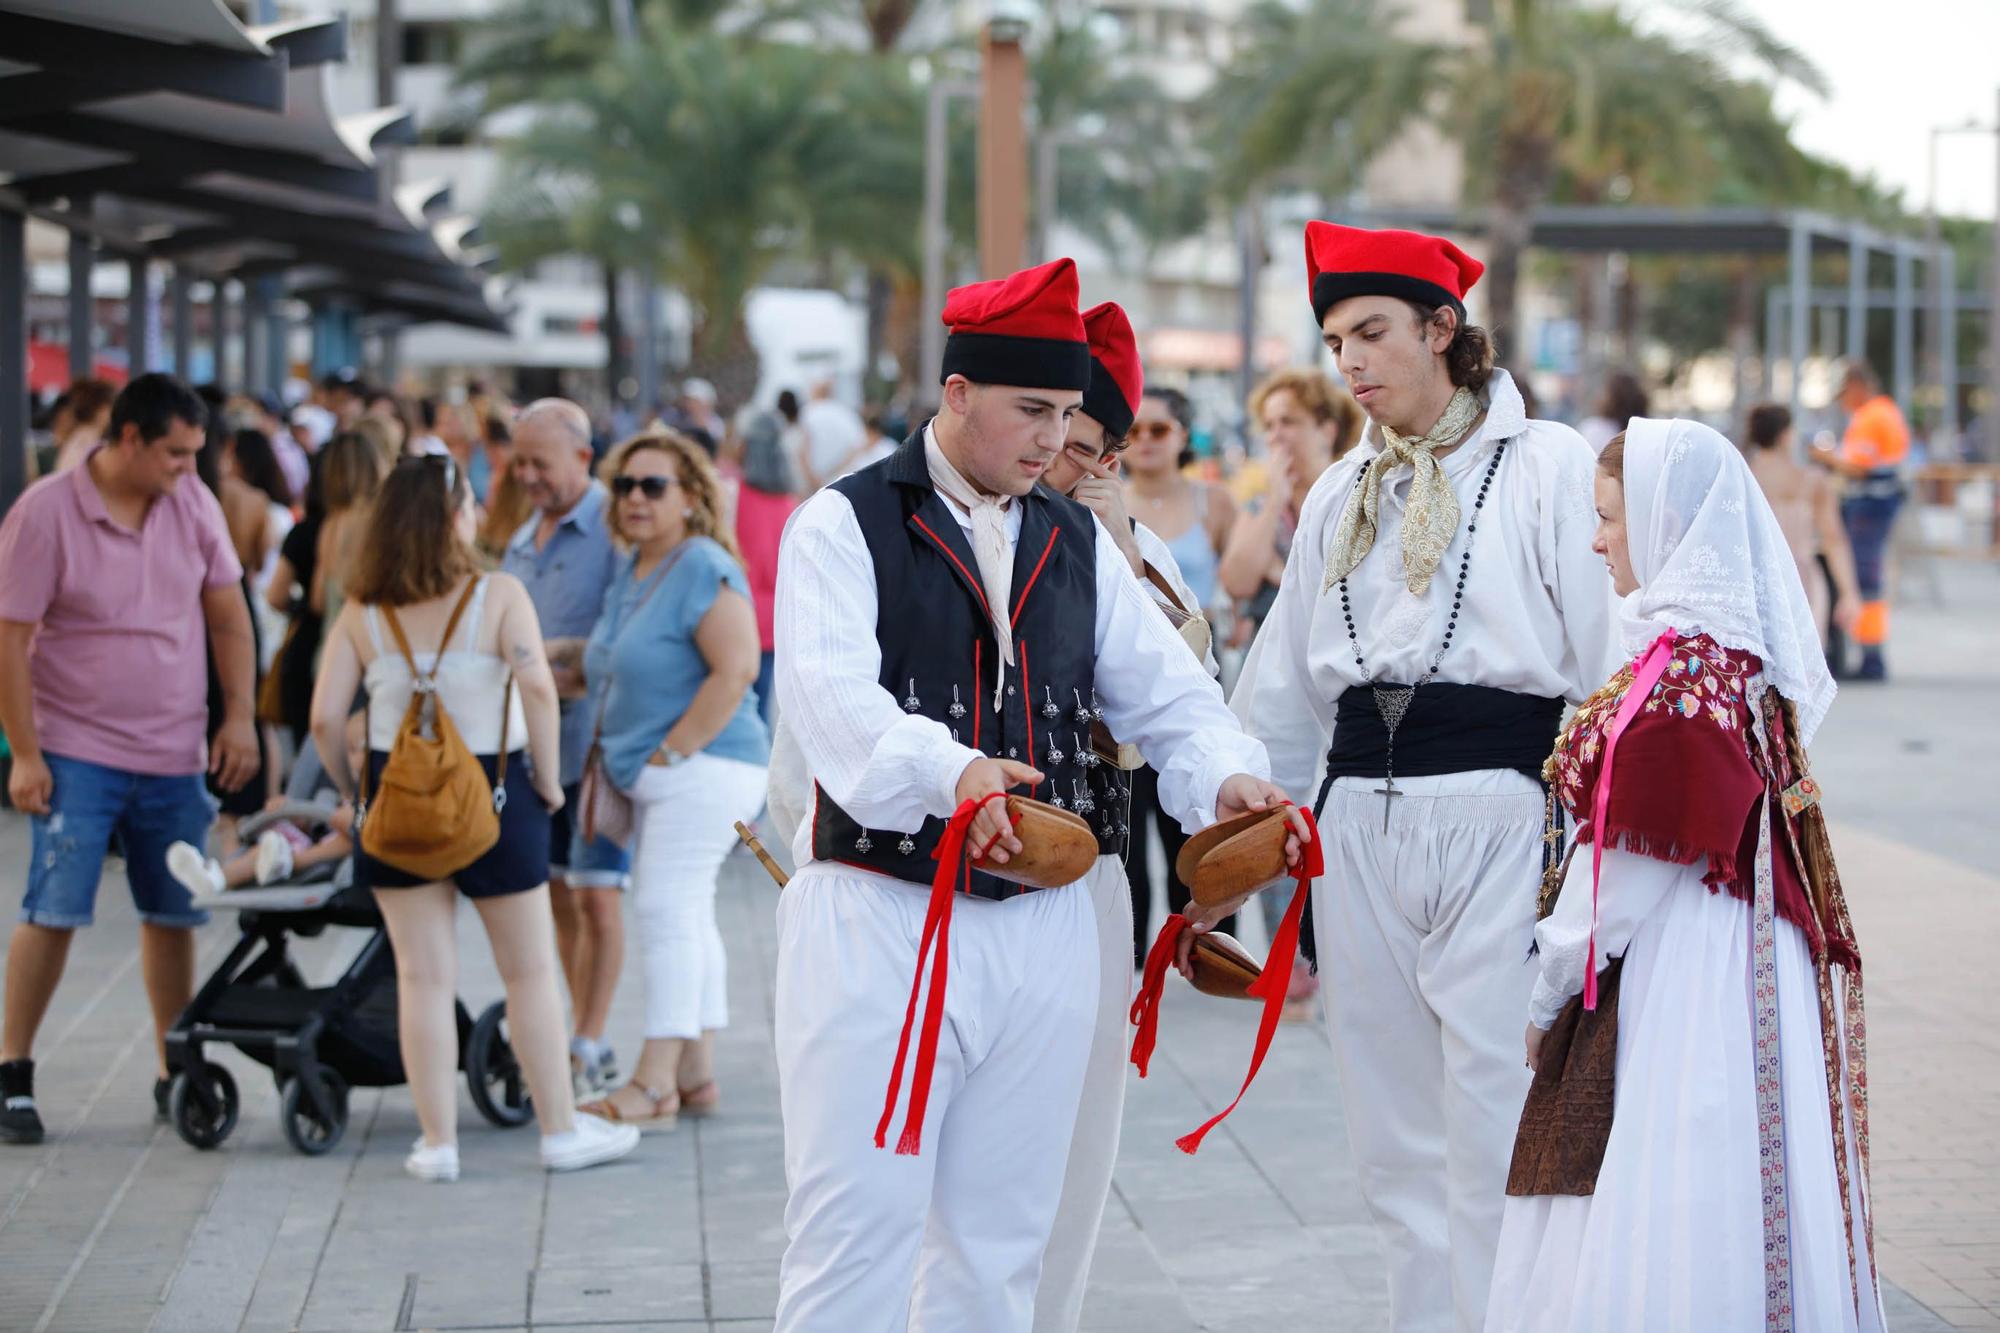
<point x="1897" y="70"/>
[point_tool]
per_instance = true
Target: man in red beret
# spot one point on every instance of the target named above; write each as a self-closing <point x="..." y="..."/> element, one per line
<point x="947" y="629"/>
<point x="1439" y="606"/>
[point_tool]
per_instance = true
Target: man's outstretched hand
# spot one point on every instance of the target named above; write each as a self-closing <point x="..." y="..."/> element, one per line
<point x="1241" y="794"/>
<point x="991" y="836"/>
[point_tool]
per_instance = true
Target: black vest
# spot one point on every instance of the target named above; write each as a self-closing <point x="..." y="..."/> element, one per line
<point x="940" y="659"/>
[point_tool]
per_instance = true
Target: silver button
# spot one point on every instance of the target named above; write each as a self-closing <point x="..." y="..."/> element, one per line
<point x="1013" y="753"/>
<point x="1010" y="691"/>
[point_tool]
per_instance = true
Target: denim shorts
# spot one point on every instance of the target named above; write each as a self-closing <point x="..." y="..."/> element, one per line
<point x="595" y="863"/>
<point x="147" y="812"/>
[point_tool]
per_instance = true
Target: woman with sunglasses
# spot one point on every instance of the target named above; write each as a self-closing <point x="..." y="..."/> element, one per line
<point x="670" y="668"/>
<point x="492" y="680"/>
<point x="1193" y="518"/>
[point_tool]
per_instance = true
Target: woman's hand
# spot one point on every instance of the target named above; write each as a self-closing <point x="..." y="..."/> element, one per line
<point x="551" y="794"/>
<point x="1535" y="1038"/>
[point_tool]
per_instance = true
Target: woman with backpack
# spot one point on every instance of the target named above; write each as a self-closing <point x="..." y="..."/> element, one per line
<point x="451" y="660"/>
<point x="670" y="668"/>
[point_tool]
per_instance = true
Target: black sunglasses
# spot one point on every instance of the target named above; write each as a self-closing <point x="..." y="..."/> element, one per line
<point x="651" y="487"/>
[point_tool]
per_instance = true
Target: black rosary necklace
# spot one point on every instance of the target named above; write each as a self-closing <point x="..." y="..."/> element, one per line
<point x="1393" y="701"/>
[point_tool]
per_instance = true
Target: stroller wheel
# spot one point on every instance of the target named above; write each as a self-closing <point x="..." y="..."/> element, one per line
<point x="203" y="1104"/>
<point x="492" y="1075"/>
<point x="308" y="1128"/>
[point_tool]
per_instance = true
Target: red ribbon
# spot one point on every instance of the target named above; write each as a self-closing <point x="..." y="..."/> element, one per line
<point x="1646" y="673"/>
<point x="1270" y="986"/>
<point x="952" y="865"/>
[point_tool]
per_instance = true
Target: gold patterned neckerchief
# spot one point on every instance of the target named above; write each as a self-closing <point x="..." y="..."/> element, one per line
<point x="1430" y="520"/>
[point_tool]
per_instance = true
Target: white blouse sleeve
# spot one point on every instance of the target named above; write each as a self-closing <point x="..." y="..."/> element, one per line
<point x="1155" y="552"/>
<point x="1157" y="696"/>
<point x="886" y="768"/>
<point x="1632" y="888"/>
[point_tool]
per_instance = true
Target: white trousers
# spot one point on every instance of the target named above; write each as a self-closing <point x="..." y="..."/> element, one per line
<point x="1423" y="937"/>
<point x="1673" y="1238"/>
<point x="951" y="1238"/>
<point x="1093" y="1148"/>
<point x="685" y="818"/>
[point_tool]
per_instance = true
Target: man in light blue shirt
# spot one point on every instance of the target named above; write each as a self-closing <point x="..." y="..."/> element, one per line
<point x="565" y="557"/>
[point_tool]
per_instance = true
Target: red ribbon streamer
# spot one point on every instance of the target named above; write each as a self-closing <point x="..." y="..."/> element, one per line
<point x="1270" y="986"/>
<point x="952" y="866"/>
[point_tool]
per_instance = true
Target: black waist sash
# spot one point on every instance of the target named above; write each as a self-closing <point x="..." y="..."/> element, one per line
<point x="1448" y="729"/>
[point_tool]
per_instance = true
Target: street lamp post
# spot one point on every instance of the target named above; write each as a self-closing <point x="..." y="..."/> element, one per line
<point x="1003" y="145"/>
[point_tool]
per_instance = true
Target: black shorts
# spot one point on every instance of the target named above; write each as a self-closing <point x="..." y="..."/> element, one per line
<point x="515" y="864"/>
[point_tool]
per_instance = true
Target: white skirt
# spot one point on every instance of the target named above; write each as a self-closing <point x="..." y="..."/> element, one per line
<point x="1673" y="1239"/>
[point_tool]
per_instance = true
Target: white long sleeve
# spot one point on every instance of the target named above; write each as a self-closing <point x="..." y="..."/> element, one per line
<point x="1158" y="697"/>
<point x="1277" y="698"/>
<point x="1631" y="888"/>
<point x="1155" y="552"/>
<point x="887" y="768"/>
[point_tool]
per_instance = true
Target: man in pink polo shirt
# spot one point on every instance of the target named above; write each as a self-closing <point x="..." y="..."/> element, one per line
<point x="109" y="575"/>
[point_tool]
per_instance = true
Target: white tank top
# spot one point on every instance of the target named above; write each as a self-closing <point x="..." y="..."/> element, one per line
<point x="472" y="685"/>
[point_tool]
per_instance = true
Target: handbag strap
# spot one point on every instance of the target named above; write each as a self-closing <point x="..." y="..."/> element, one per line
<point x="653" y="583"/>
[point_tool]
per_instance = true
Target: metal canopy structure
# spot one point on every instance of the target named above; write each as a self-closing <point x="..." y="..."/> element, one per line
<point x="1800" y="235"/>
<point x="171" y="133"/>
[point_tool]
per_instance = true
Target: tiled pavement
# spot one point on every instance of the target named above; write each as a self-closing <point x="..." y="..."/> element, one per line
<point x="115" y="1224"/>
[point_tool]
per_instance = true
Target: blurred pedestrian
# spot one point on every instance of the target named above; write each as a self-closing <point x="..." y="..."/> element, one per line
<point x="834" y="437"/>
<point x="766" y="498"/>
<point x="1624" y="398"/>
<point x="351" y="471"/>
<point x="1870" y="457"/>
<point x="670" y="666"/>
<point x="116" y="577"/>
<point x="89" y="413"/>
<point x="1808" y="513"/>
<point x="1192" y="517"/>
<point x="476" y="638"/>
<point x="1307" y="421"/>
<point x="564" y="557"/>
<point x="696" y="411"/>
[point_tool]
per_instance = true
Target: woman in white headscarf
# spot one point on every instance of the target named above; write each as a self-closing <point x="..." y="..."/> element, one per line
<point x="1692" y="1155"/>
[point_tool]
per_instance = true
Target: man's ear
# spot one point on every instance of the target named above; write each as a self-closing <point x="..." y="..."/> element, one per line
<point x="1113" y="463"/>
<point x="958" y="395"/>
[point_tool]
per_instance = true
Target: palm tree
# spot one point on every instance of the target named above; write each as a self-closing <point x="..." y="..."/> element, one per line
<point x="1552" y="95"/>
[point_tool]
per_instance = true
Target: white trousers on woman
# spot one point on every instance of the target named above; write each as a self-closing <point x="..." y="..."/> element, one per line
<point x="949" y="1240"/>
<point x="685" y="816"/>
<point x="1423" y="935"/>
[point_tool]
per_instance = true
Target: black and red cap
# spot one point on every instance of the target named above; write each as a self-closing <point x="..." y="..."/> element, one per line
<point x="1408" y="265"/>
<point x="1116" y="380"/>
<point x="1021" y="329"/>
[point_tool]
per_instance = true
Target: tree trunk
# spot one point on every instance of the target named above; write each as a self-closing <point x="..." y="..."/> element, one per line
<point x="613" y="326"/>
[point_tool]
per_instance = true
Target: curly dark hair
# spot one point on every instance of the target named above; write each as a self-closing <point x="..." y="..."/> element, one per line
<point x="1469" y="357"/>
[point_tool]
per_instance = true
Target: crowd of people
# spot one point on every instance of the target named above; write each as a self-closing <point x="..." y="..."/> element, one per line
<point x="863" y="641"/>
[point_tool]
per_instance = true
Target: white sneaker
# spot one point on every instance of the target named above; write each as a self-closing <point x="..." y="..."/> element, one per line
<point x="274" y="857"/>
<point x="201" y="874"/>
<point x="438" y="1164"/>
<point x="594" y="1140"/>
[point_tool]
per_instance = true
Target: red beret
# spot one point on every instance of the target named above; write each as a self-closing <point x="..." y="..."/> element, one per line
<point x="1022" y="329"/>
<point x="1116" y="380"/>
<point x="1354" y="261"/>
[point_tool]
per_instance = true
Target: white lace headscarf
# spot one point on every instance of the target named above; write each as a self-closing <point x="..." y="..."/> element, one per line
<point x="1711" y="559"/>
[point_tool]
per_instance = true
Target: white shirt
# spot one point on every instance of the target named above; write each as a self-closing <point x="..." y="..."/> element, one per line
<point x="889" y="769"/>
<point x="833" y="431"/>
<point x="1539" y="610"/>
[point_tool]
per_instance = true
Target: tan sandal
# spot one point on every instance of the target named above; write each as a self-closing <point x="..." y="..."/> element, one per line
<point x="658" y="1118"/>
<point x="701" y="1100"/>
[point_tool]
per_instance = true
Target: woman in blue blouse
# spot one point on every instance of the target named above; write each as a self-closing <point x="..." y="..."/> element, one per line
<point x="671" y="664"/>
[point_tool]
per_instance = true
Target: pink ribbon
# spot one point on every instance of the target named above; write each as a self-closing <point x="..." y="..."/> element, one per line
<point x="1652" y="664"/>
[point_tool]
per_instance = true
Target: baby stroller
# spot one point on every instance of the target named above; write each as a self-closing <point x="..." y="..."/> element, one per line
<point x="317" y="1041"/>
